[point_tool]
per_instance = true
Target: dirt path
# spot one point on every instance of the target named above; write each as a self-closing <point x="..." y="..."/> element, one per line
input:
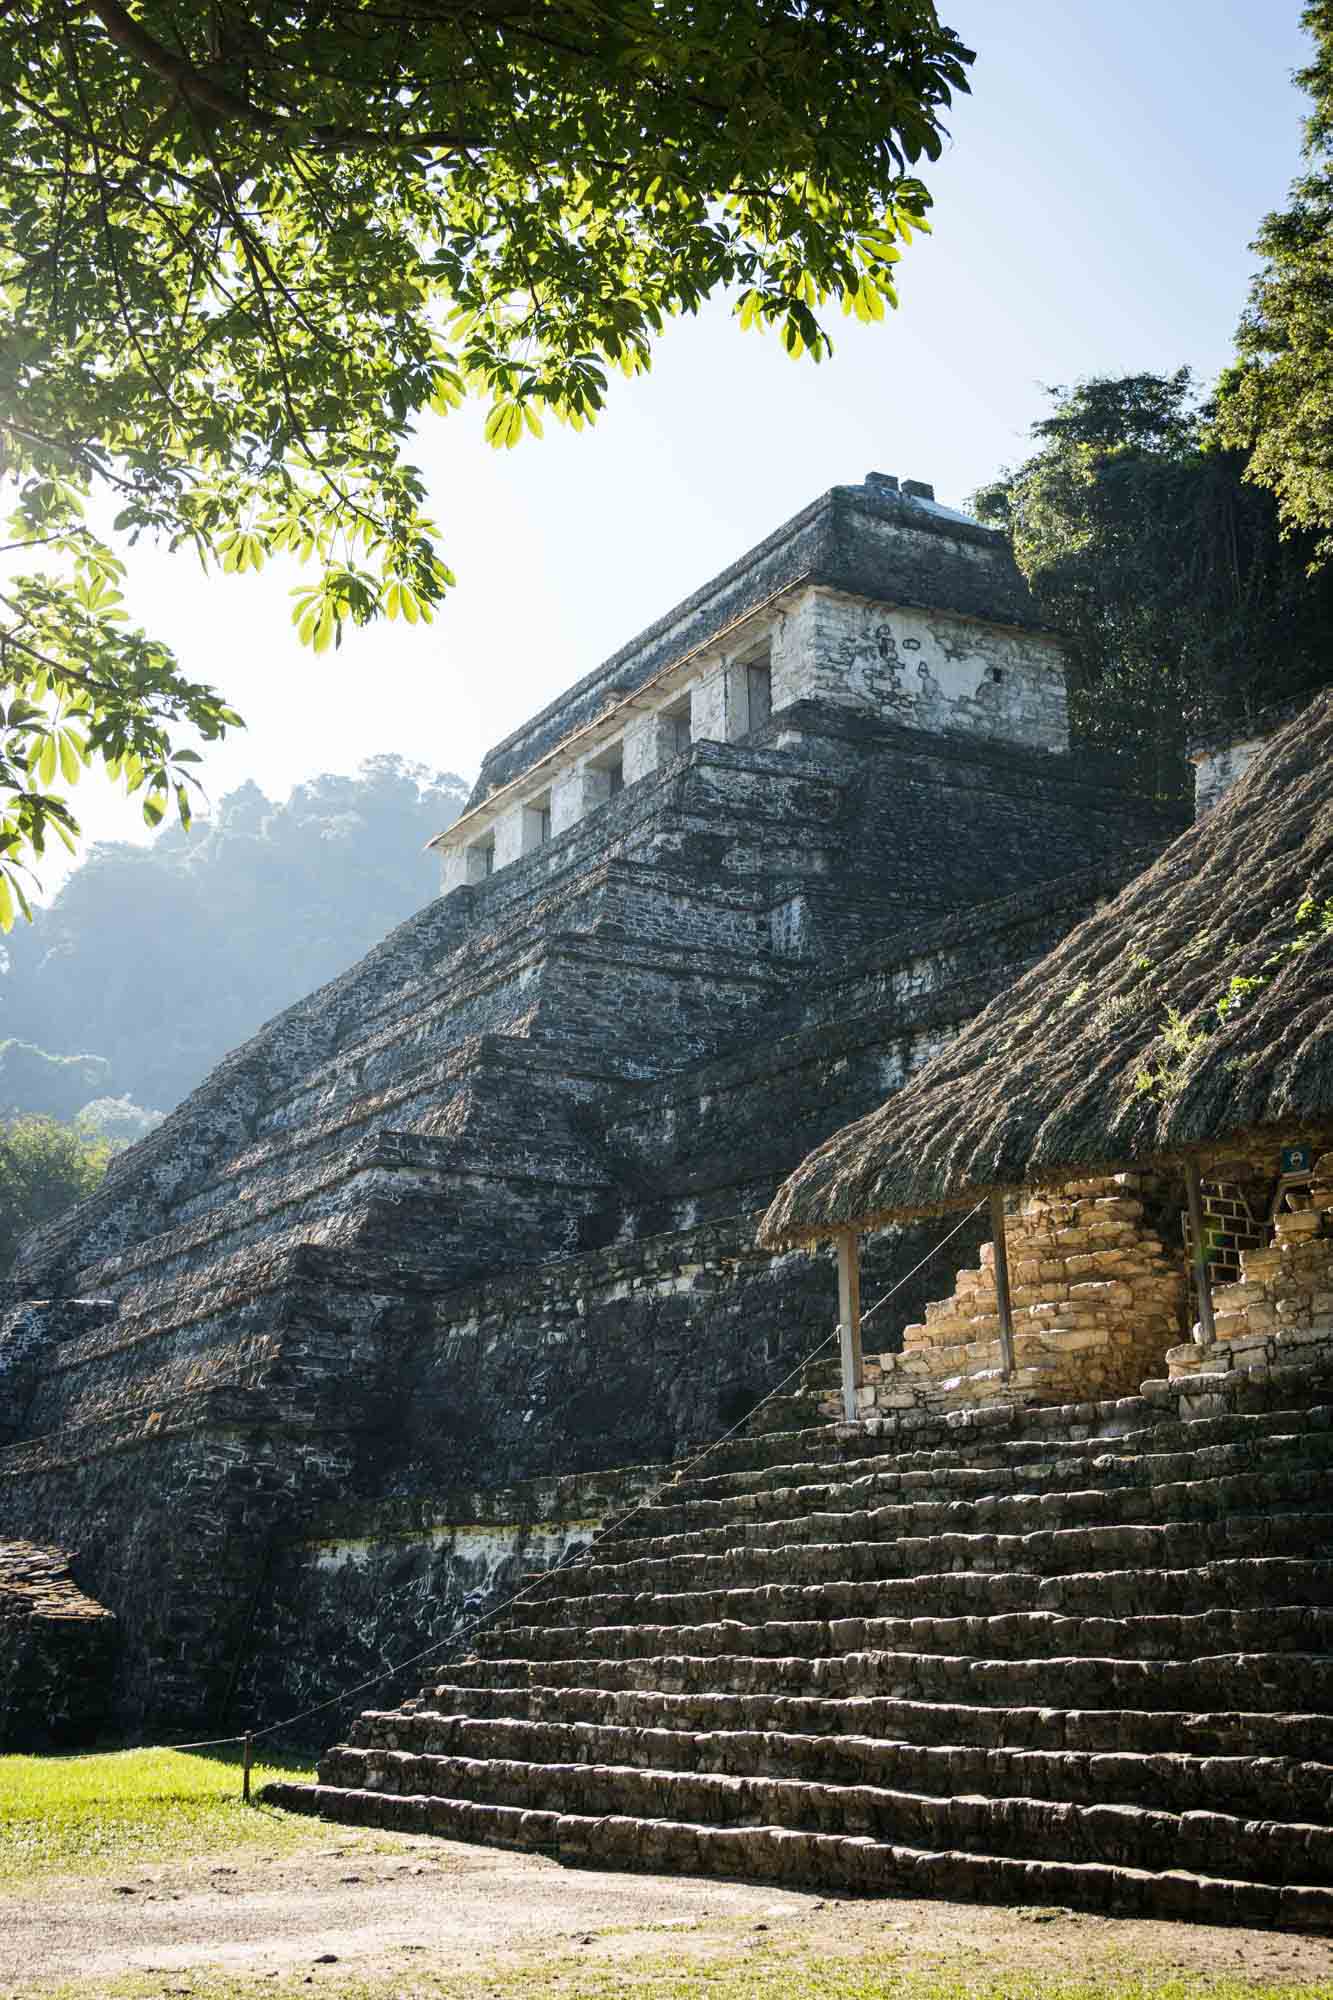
<point x="374" y="1905"/>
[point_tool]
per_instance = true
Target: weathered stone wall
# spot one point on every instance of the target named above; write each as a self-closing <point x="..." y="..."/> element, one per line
<point x="1215" y="771"/>
<point x="1221" y="758"/>
<point x="27" y="1333"/>
<point x="365" y="1585"/>
<point x="1282" y="1309"/>
<point x="56" y="1652"/>
<point x="164" y="1470"/>
<point x="167" y="1516"/>
<point x="634" y="1353"/>
<point x="928" y="670"/>
<point x="715" y="1139"/>
<point x="1097" y="1301"/>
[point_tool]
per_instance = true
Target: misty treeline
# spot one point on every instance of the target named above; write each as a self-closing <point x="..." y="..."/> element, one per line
<point x="154" y="961"/>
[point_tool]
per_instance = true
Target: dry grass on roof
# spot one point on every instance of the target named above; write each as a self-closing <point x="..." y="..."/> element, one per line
<point x="1195" y="1008"/>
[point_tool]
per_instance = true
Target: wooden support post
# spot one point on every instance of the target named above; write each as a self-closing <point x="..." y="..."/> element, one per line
<point x="247" y="1758"/>
<point x="1199" y="1251"/>
<point x="1003" y="1300"/>
<point x="849" y="1319"/>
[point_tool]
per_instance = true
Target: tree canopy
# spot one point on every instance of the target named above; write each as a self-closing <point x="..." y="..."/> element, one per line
<point x="245" y="247"/>
<point x="1142" y="539"/>
<point x="1276" y="403"/>
<point x="45" y="1167"/>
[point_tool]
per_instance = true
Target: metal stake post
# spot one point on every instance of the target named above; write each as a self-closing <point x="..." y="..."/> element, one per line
<point x="849" y="1320"/>
<point x="1002" y="1284"/>
<point x="1199" y="1251"/>
<point x="247" y="1758"/>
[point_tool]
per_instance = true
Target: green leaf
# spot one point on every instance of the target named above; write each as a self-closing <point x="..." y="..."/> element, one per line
<point x="225" y="331"/>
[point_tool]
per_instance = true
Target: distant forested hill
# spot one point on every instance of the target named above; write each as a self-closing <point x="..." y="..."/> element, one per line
<point x="157" y="960"/>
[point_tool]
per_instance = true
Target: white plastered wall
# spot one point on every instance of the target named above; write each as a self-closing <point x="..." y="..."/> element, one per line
<point x="650" y="742"/>
<point x="926" y="669"/>
<point x="720" y="699"/>
<point x="1215" y="771"/>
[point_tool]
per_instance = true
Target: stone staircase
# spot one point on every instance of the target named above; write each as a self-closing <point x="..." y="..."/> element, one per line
<point x="1078" y="1655"/>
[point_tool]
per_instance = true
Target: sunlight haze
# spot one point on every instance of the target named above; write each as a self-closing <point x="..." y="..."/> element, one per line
<point x="1092" y="215"/>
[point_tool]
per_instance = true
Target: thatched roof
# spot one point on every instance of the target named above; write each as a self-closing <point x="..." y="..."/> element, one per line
<point x="1194" y="1010"/>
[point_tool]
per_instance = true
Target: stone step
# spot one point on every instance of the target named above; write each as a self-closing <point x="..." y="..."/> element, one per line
<point x="835" y="1861"/>
<point x="1120" y="1835"/>
<point x="1144" y="1472"/>
<point x="1018" y="1635"/>
<point x="1255" y="1491"/>
<point x="1281" y="1788"/>
<point x="1283" y="1680"/>
<point x="1242" y="1584"/>
<point x="809" y="1438"/>
<point x="1295" y="1737"/>
<point x="1302" y="1390"/>
<point x="1045" y="1552"/>
<point x="931" y="1480"/>
<point x="839" y="1443"/>
<point x="1002" y="1452"/>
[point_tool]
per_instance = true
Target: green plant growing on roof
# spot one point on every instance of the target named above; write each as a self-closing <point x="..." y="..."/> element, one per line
<point x="1313" y="921"/>
<point x="1175" y="1046"/>
<point x="1184" y="1033"/>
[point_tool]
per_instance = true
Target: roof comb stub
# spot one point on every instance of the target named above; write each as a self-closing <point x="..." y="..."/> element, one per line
<point x="907" y="489"/>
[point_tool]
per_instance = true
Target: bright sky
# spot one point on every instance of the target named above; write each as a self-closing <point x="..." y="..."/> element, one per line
<point x="1092" y="215"/>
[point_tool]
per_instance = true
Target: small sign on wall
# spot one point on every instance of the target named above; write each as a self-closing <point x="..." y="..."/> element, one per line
<point x="1297" y="1159"/>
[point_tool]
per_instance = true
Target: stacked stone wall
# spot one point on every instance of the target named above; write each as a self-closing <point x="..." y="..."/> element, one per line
<point x="56" y="1652"/>
<point x="1097" y="1301"/>
<point x="167" y="1516"/>
<point x="926" y="669"/>
<point x="718" y="1137"/>
<point x="367" y="1584"/>
<point x="1282" y="1308"/>
<point x="301" y="1330"/>
<point x="636" y="1353"/>
<point x="27" y="1335"/>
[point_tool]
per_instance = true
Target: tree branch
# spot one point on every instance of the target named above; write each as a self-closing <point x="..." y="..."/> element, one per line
<point x="203" y="91"/>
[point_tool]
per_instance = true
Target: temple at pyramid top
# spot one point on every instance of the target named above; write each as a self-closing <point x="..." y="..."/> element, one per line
<point x="875" y="597"/>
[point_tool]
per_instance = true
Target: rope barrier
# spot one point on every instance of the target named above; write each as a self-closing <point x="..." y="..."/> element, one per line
<point x="460" y="1633"/>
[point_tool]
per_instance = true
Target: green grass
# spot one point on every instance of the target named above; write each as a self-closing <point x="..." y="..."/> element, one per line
<point x="63" y="1818"/>
<point x="132" y="1806"/>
